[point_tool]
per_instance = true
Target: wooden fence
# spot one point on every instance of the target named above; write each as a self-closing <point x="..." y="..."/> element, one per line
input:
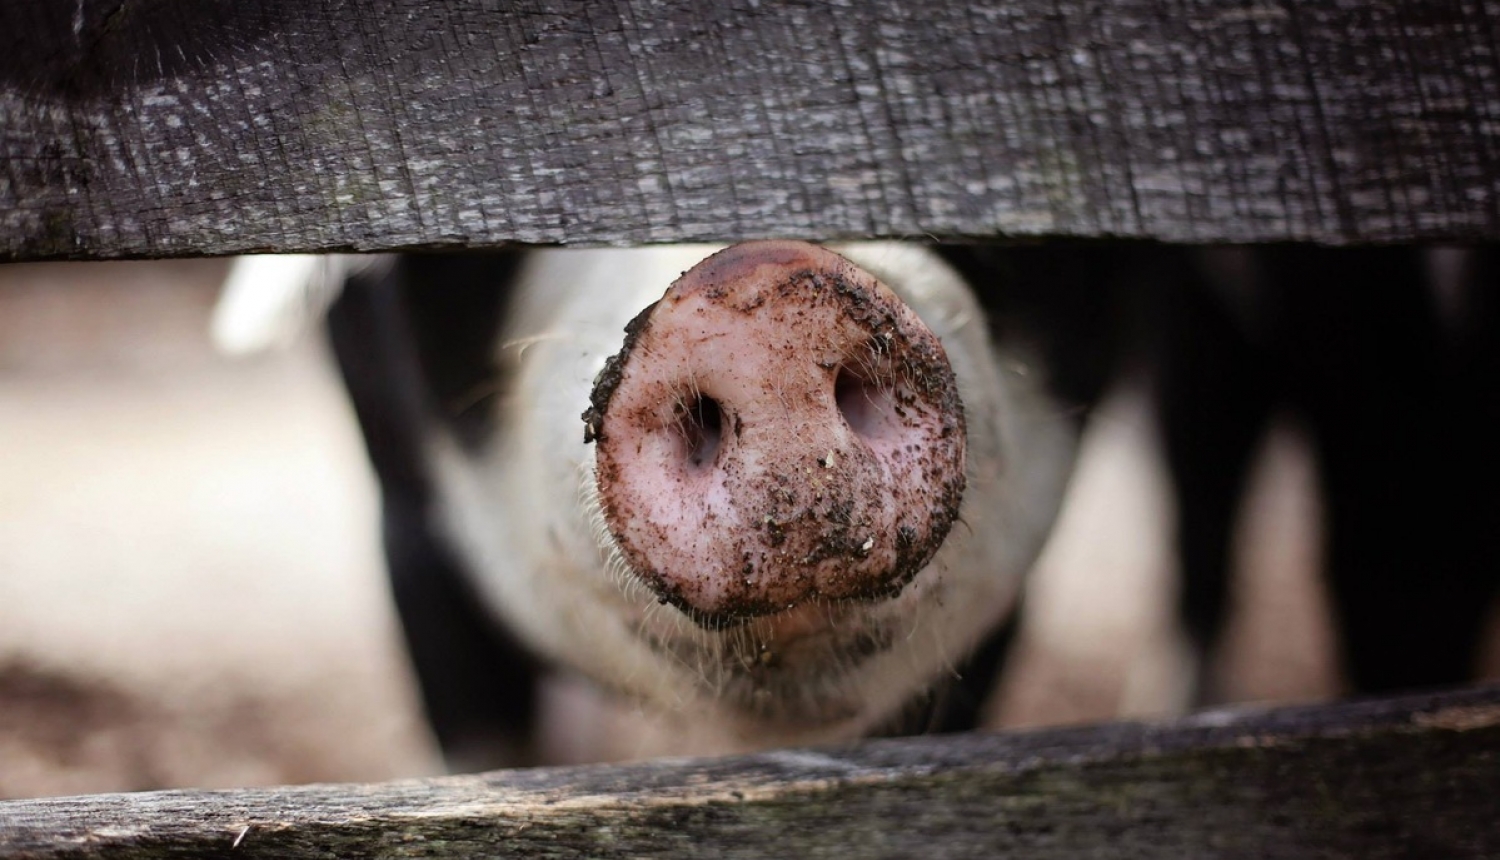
<point x="1410" y="777"/>
<point x="152" y="128"/>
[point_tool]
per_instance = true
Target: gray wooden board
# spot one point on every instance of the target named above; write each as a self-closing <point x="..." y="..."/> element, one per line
<point x="162" y="128"/>
<point x="1416" y="776"/>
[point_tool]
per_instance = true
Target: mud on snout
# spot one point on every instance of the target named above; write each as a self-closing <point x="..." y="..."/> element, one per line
<point x="780" y="440"/>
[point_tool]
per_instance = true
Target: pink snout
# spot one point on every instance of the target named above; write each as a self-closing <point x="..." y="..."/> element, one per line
<point x="779" y="429"/>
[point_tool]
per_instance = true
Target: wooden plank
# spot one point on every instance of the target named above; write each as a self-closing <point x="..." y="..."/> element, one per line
<point x="151" y="128"/>
<point x="1409" y="777"/>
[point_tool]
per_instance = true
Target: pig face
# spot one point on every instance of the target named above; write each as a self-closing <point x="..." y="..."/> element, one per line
<point x="787" y="494"/>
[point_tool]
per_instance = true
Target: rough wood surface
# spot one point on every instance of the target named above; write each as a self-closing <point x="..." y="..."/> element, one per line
<point x="1409" y="777"/>
<point x="159" y="128"/>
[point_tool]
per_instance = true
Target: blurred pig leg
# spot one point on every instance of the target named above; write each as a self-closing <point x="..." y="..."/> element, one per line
<point x="1396" y="404"/>
<point x="1214" y="399"/>
<point x="413" y="338"/>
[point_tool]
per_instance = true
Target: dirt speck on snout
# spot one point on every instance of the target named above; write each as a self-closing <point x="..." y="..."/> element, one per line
<point x="830" y="463"/>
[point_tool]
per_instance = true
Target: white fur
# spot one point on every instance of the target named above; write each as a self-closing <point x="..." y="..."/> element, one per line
<point x="524" y="510"/>
<point x="268" y="301"/>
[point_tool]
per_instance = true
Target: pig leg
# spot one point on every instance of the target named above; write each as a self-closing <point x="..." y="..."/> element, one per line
<point x="1397" y="463"/>
<point x="1472" y="399"/>
<point x="1214" y="397"/>
<point x="413" y="342"/>
<point x="1349" y="341"/>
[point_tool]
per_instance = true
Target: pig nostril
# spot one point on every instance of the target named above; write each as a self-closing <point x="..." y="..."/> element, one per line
<point x="864" y="404"/>
<point x="702" y="430"/>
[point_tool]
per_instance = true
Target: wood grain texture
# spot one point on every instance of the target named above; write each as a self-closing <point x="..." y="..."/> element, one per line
<point x="1409" y="777"/>
<point x="161" y="128"/>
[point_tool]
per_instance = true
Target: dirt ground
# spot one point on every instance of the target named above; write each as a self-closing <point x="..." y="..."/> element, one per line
<point x="191" y="591"/>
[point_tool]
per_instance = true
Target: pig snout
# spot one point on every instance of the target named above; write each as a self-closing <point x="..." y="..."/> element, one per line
<point x="779" y="429"/>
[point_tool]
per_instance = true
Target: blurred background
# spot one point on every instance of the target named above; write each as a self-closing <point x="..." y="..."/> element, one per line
<point x="192" y="593"/>
<point x="191" y="590"/>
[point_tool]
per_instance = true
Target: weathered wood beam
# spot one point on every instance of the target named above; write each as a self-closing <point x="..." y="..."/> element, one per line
<point x="1411" y="777"/>
<point x="159" y="128"/>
